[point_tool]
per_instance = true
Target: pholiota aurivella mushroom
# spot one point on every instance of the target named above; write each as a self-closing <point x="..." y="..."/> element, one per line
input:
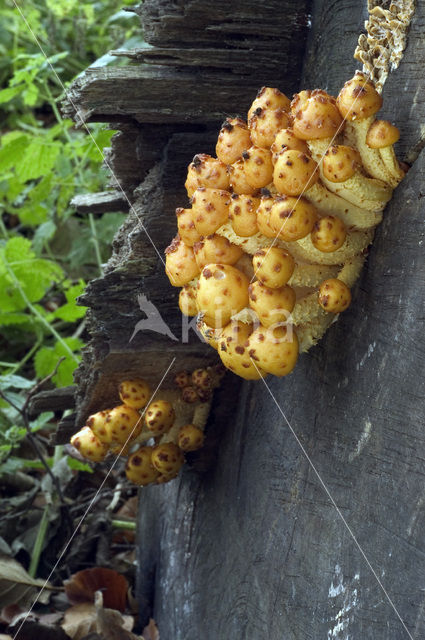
<point x="295" y="194"/>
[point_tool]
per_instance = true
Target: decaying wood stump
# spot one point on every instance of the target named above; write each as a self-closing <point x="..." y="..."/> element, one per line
<point x="251" y="545"/>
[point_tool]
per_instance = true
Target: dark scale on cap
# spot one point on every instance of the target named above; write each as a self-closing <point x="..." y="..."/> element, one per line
<point x="207" y="273"/>
<point x="197" y="161"/>
<point x="228" y="126"/>
<point x="265" y="192"/>
<point x="240" y="350"/>
<point x="136" y="461"/>
<point x="258" y="111"/>
<point x="235" y="196"/>
<point x="245" y="155"/>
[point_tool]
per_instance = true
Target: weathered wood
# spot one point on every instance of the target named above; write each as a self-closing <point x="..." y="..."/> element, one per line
<point x="101" y="202"/>
<point x="52" y="400"/>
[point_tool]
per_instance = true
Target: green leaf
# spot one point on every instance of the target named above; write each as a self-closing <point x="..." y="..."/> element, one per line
<point x="45" y="232"/>
<point x="8" y="94"/>
<point x="69" y="311"/>
<point x="33" y="215"/>
<point x="39" y="158"/>
<point x="7" y="319"/>
<point x="45" y="362"/>
<point x="12" y="151"/>
<point x="76" y="465"/>
<point x="47" y="358"/>
<point x="18" y="382"/>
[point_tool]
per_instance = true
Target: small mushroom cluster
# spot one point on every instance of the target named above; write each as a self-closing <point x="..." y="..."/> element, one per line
<point x="153" y="435"/>
<point x="280" y="222"/>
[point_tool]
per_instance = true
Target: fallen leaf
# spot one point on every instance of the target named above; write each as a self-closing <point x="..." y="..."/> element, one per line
<point x="151" y="631"/>
<point x="82" y="586"/>
<point x="30" y="629"/>
<point x="81" y="620"/>
<point x="110" y="623"/>
<point x="17" y="586"/>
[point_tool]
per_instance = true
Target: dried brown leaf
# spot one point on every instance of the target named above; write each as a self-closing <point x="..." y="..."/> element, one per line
<point x="151" y="631"/>
<point x="81" y="620"/>
<point x="83" y="585"/>
<point x="17" y="586"/>
<point x="110" y="623"/>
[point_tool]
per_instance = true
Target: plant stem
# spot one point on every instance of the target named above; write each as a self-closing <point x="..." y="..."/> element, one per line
<point x="127" y="525"/>
<point x="28" y="355"/>
<point x="95" y="241"/>
<point x="39" y="542"/>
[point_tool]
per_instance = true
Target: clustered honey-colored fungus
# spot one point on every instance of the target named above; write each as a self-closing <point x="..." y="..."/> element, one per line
<point x="154" y="436"/>
<point x="280" y="222"/>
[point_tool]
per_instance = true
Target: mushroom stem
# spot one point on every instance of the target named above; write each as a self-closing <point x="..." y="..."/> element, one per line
<point x="392" y="165"/>
<point x="367" y="193"/>
<point x="355" y="134"/>
<point x="329" y="203"/>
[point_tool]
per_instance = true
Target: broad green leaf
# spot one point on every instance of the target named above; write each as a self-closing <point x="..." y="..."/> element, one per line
<point x="13" y="318"/>
<point x="13" y="151"/>
<point x="76" y="465"/>
<point x="18" y="382"/>
<point x="45" y="232"/>
<point x="39" y="158"/>
<point x="8" y="94"/>
<point x="70" y="311"/>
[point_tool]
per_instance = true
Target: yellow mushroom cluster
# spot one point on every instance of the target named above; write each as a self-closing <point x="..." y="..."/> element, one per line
<point x="153" y="434"/>
<point x="280" y="222"/>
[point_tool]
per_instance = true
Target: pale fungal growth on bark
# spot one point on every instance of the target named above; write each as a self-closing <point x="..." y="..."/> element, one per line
<point x="154" y="435"/>
<point x="306" y="190"/>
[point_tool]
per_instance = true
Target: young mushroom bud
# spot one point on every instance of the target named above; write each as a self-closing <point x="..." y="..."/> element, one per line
<point x="214" y="249"/>
<point x="358" y="98"/>
<point x="187" y="301"/>
<point x="202" y="379"/>
<point x="273" y="266"/>
<point x="182" y="379"/>
<point x="233" y="350"/>
<point x="98" y="424"/>
<point x="167" y="458"/>
<point x="334" y="295"/>
<point x="294" y="172"/>
<point x="382" y="134"/>
<point x="159" y="417"/>
<point x="186" y="227"/>
<point x="274" y="349"/>
<point x="189" y="394"/>
<point x="134" y="393"/>
<point x="180" y="263"/>
<point x="286" y="139"/>
<point x="243" y="215"/>
<point x="272" y="306"/>
<point x="263" y="217"/>
<point x="190" y="438"/>
<point x="233" y="139"/>
<point x="222" y="292"/>
<point x="292" y="218"/>
<point x="238" y="181"/>
<point x="210" y="209"/>
<point x="89" y="445"/>
<point x="269" y="98"/>
<point x="124" y="423"/>
<point x="204" y="395"/>
<point x="316" y="116"/>
<point x="139" y="468"/>
<point x="329" y="234"/>
<point x="264" y="125"/>
<point x="258" y="166"/>
<point x="205" y="171"/>
<point x="340" y="163"/>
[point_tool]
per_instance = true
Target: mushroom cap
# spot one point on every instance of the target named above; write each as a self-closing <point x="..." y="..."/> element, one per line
<point x="206" y="171"/>
<point x="186" y="226"/>
<point x="358" y="98"/>
<point x="222" y="292"/>
<point x="271" y="305"/>
<point x="189" y="394"/>
<point x="180" y="263"/>
<point x="167" y="458"/>
<point x="99" y="426"/>
<point x="340" y="163"/>
<point x="209" y="334"/>
<point x="243" y="214"/>
<point x="274" y="349"/>
<point x="269" y="98"/>
<point x="210" y="209"/>
<point x="134" y="393"/>
<point x="187" y="301"/>
<point x="286" y="138"/>
<point x="190" y="438"/>
<point x="292" y="218"/>
<point x="124" y="423"/>
<point x="273" y="266"/>
<point x="316" y="116"/>
<point x="382" y="134"/>
<point x="238" y="181"/>
<point x="159" y="416"/>
<point x="264" y="125"/>
<point x="233" y="140"/>
<point x="216" y="249"/>
<point x="233" y="350"/>
<point x="258" y="166"/>
<point x="139" y="468"/>
<point x="89" y="445"/>
<point x="182" y="379"/>
<point x="294" y="172"/>
<point x="334" y="295"/>
<point x="263" y="217"/>
<point x="329" y="234"/>
<point x="202" y="379"/>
